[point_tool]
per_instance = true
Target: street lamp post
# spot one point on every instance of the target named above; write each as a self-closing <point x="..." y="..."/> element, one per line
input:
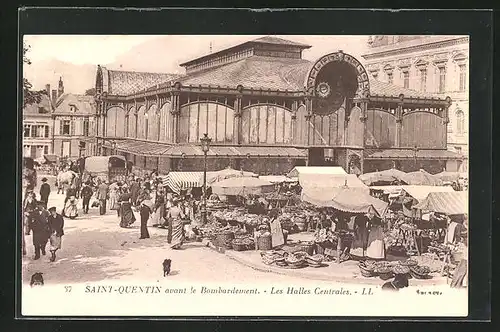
<point x="205" y="147"/>
<point x="415" y="151"/>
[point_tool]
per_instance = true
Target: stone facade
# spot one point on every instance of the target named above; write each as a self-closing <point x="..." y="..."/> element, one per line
<point x="438" y="65"/>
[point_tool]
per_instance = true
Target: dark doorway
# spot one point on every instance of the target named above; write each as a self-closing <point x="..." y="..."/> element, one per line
<point x="316" y="157"/>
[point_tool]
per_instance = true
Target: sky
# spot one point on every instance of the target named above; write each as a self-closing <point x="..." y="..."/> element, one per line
<point x="74" y="58"/>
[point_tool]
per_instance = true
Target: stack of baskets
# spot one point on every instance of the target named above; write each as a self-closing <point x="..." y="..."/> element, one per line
<point x="307" y="247"/>
<point x="264" y="242"/>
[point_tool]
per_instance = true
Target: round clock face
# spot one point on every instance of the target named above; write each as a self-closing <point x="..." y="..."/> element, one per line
<point x="323" y="89"/>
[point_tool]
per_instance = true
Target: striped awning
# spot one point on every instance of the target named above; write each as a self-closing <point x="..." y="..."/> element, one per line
<point x="445" y="202"/>
<point x="178" y="181"/>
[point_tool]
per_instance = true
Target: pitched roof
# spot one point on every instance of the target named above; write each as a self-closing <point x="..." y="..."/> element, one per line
<point x="378" y="88"/>
<point x="33" y="109"/>
<point x="255" y="72"/>
<point x="124" y="83"/>
<point x="83" y="104"/>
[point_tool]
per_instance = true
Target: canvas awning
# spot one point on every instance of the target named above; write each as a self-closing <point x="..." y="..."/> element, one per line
<point x="344" y="199"/>
<point x="178" y="181"/>
<point x="417" y="192"/>
<point x="423" y="178"/>
<point x="51" y="158"/>
<point x="445" y="202"/>
<point x="278" y="178"/>
<point x="333" y="181"/>
<point x="316" y="170"/>
<point x="242" y="186"/>
<point x="451" y="176"/>
<point x="405" y="154"/>
<point x="238" y="151"/>
<point x="390" y="175"/>
<point x="227" y="173"/>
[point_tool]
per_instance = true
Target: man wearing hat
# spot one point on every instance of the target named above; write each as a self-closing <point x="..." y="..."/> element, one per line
<point x="56" y="229"/>
<point x="86" y="193"/>
<point x="40" y="229"/>
<point x="44" y="191"/>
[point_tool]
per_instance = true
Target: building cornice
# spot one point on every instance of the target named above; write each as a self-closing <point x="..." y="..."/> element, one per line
<point x="421" y="47"/>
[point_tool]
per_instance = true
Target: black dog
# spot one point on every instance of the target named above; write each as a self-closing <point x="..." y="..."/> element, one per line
<point x="36" y="279"/>
<point x="400" y="281"/>
<point x="167" y="263"/>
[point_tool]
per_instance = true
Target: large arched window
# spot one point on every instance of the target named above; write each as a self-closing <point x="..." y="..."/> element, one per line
<point x="460" y="121"/>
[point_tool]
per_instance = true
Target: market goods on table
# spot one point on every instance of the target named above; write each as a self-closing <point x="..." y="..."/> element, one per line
<point x="420" y="272"/>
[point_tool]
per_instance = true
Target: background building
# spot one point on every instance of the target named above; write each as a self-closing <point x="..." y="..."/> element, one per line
<point x="435" y="65"/>
<point x="37" y="133"/>
<point x="74" y="125"/>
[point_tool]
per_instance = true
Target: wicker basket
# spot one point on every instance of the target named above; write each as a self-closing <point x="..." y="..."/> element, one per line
<point x="224" y="240"/>
<point x="264" y="242"/>
<point x="365" y="272"/>
<point x="385" y="274"/>
<point x="418" y="275"/>
<point x="238" y="246"/>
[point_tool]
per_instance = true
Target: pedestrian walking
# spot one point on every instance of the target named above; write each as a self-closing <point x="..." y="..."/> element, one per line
<point x="135" y="187"/>
<point x="176" y="227"/>
<point x="127" y="216"/>
<point x="44" y="192"/>
<point x="70" y="208"/>
<point x="102" y="196"/>
<point x="56" y="231"/>
<point x="39" y="226"/>
<point x="29" y="206"/>
<point x="86" y="195"/>
<point x="145" y="212"/>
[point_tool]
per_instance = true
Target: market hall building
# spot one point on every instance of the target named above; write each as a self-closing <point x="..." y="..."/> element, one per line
<point x="267" y="110"/>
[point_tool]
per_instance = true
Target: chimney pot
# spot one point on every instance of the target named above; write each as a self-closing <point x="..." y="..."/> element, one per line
<point x="54" y="96"/>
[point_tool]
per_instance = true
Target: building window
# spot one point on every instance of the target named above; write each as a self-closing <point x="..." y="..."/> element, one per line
<point x="27" y="130"/>
<point x="45" y="149"/>
<point x="460" y="122"/>
<point x="146" y="124"/>
<point x="390" y="77"/>
<point x="86" y="127"/>
<point x="423" y="80"/>
<point x="463" y="77"/>
<point x="442" y="79"/>
<point x="458" y="149"/>
<point x="46" y="131"/>
<point x="406" y="79"/>
<point x="66" y="127"/>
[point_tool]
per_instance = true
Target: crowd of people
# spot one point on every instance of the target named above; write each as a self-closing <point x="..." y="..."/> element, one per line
<point x="135" y="198"/>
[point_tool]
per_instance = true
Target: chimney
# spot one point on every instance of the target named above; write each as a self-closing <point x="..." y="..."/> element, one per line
<point x="54" y="97"/>
<point x="47" y="89"/>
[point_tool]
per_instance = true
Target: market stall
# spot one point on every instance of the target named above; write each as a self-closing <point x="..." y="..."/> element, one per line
<point x="242" y="186"/>
<point x="312" y="181"/>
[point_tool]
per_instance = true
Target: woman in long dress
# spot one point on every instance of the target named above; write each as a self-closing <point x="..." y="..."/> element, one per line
<point x="175" y="216"/>
<point x="127" y="217"/>
<point x="376" y="245"/>
<point x="360" y="236"/>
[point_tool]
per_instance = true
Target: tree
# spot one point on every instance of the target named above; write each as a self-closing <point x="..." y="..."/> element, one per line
<point x="29" y="96"/>
<point x="90" y="92"/>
